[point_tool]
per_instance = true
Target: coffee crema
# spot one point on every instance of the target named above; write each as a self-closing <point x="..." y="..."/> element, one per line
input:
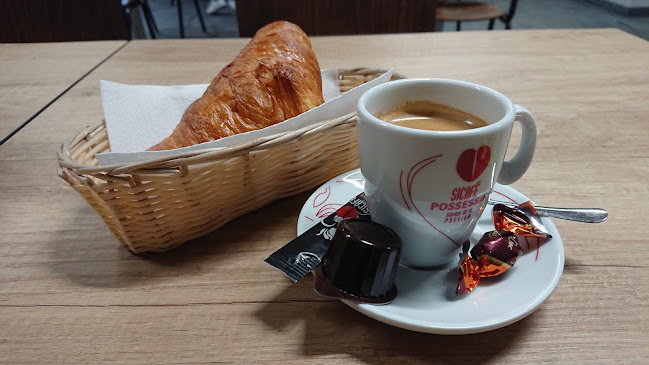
<point x="431" y="116"/>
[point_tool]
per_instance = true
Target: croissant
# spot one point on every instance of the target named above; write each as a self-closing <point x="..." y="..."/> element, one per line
<point x="274" y="78"/>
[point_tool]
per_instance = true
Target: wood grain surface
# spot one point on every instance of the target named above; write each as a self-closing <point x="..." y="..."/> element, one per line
<point x="69" y="293"/>
<point x="36" y="73"/>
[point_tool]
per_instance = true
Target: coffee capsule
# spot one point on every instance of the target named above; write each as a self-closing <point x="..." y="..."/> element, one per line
<point x="495" y="253"/>
<point x="361" y="263"/>
<point x="522" y="220"/>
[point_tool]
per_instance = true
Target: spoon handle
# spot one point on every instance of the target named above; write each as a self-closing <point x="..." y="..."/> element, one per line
<point x="585" y="215"/>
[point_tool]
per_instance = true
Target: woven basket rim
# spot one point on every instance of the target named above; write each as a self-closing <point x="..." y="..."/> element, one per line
<point x="179" y="162"/>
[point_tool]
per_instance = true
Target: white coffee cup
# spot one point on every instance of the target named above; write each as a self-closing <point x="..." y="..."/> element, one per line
<point x="431" y="187"/>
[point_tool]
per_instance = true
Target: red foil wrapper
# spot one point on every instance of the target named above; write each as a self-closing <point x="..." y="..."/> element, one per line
<point x="522" y="220"/>
<point x="494" y="254"/>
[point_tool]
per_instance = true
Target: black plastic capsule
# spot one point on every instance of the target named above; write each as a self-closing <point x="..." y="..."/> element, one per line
<point x="361" y="263"/>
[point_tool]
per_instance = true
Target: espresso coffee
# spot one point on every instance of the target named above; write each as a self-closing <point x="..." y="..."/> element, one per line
<point x="430" y="116"/>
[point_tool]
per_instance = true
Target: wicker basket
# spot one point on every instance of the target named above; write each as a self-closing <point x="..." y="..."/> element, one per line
<point x="159" y="204"/>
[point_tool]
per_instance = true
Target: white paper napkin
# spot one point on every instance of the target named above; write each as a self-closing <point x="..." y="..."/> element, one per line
<point x="139" y="116"/>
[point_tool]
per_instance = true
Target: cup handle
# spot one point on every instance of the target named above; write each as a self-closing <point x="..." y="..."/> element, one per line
<point x="514" y="169"/>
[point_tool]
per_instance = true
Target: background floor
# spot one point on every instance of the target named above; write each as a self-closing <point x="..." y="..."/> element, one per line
<point x="531" y="14"/>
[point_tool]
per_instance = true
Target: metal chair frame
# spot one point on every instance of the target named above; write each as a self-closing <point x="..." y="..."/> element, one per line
<point x="506" y="18"/>
<point x="180" y="17"/>
<point x="128" y="6"/>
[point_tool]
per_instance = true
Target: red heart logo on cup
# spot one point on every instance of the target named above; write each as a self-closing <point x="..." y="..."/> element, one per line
<point x="472" y="163"/>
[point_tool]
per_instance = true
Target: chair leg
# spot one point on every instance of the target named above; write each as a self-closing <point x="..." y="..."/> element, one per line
<point x="491" y="23"/>
<point x="149" y="20"/>
<point x="458" y="26"/>
<point x="127" y="21"/>
<point x="507" y="20"/>
<point x="149" y="14"/>
<point x="180" y="18"/>
<point x="200" y="15"/>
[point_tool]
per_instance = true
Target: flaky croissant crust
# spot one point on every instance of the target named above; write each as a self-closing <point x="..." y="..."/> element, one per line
<point x="274" y="78"/>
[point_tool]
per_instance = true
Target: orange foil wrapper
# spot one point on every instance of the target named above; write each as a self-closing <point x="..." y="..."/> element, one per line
<point x="522" y="220"/>
<point x="494" y="254"/>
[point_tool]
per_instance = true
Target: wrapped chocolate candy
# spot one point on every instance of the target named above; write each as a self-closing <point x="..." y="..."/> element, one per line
<point x="494" y="254"/>
<point x="522" y="220"/>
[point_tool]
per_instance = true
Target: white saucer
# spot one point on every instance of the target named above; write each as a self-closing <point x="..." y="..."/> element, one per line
<point x="427" y="301"/>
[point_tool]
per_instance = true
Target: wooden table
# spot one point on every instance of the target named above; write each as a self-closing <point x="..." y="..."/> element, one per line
<point x="70" y="293"/>
<point x="35" y="74"/>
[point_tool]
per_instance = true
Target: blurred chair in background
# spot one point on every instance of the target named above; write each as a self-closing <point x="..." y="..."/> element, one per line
<point x="179" y="4"/>
<point x="465" y="11"/>
<point x="330" y="17"/>
<point x="128" y="6"/>
<point x="214" y="6"/>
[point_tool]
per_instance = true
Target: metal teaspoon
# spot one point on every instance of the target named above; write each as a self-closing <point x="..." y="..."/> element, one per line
<point x="585" y="215"/>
